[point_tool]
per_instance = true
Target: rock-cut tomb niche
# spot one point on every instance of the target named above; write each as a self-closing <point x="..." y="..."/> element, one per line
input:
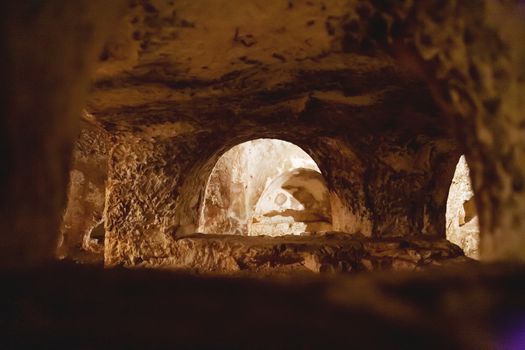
<point x="462" y="227"/>
<point x="265" y="187"/>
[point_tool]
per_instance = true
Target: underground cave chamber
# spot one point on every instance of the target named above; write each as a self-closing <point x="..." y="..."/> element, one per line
<point x="134" y="102"/>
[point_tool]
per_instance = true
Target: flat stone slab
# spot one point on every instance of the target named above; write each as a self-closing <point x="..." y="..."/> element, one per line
<point x="331" y="252"/>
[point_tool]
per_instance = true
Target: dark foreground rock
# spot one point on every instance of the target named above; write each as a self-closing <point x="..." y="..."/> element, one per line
<point x="66" y="306"/>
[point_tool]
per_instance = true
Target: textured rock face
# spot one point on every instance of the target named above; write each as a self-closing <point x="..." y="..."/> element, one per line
<point x="329" y="252"/>
<point x="82" y="227"/>
<point x="462" y="219"/>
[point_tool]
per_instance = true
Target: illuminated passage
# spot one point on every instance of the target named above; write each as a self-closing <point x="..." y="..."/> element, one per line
<point x="265" y="187"/>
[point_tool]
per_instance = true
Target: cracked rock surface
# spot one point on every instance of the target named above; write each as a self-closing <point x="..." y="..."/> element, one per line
<point x="329" y="252"/>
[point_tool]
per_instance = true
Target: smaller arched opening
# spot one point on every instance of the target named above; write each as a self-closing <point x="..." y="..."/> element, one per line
<point x="265" y="187"/>
<point x="297" y="201"/>
<point x="462" y="226"/>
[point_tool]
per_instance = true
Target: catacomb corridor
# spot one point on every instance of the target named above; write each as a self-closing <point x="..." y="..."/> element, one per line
<point x="262" y="174"/>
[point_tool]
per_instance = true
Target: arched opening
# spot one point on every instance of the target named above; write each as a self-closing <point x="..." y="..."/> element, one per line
<point x="265" y="187"/>
<point x="295" y="202"/>
<point x="462" y="226"/>
<point x="94" y="240"/>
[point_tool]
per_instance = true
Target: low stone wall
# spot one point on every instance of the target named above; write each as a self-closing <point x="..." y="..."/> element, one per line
<point x="331" y="252"/>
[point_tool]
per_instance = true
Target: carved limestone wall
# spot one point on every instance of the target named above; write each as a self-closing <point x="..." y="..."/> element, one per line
<point x="82" y="230"/>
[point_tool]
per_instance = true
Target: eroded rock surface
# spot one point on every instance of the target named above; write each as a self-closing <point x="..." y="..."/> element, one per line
<point x="82" y="230"/>
<point x="330" y="252"/>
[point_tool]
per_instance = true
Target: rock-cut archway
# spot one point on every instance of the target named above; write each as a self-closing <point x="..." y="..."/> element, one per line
<point x="265" y="187"/>
<point x="461" y="217"/>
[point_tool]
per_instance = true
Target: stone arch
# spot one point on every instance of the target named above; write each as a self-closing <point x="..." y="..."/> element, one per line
<point x="345" y="183"/>
<point x="239" y="178"/>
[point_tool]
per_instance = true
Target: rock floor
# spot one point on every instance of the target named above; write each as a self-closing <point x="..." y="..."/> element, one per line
<point x="84" y="307"/>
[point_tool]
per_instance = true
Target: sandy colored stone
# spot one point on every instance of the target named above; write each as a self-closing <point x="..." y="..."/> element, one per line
<point x="82" y="230"/>
<point x="462" y="221"/>
<point x="321" y="253"/>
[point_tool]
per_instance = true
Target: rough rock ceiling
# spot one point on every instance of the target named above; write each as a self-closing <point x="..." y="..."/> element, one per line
<point x="263" y="61"/>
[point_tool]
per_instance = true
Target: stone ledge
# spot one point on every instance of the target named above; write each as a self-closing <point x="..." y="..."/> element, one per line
<point x="331" y="252"/>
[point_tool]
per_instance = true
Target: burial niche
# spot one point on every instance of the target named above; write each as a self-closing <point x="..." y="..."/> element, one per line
<point x="462" y="227"/>
<point x="265" y="187"/>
